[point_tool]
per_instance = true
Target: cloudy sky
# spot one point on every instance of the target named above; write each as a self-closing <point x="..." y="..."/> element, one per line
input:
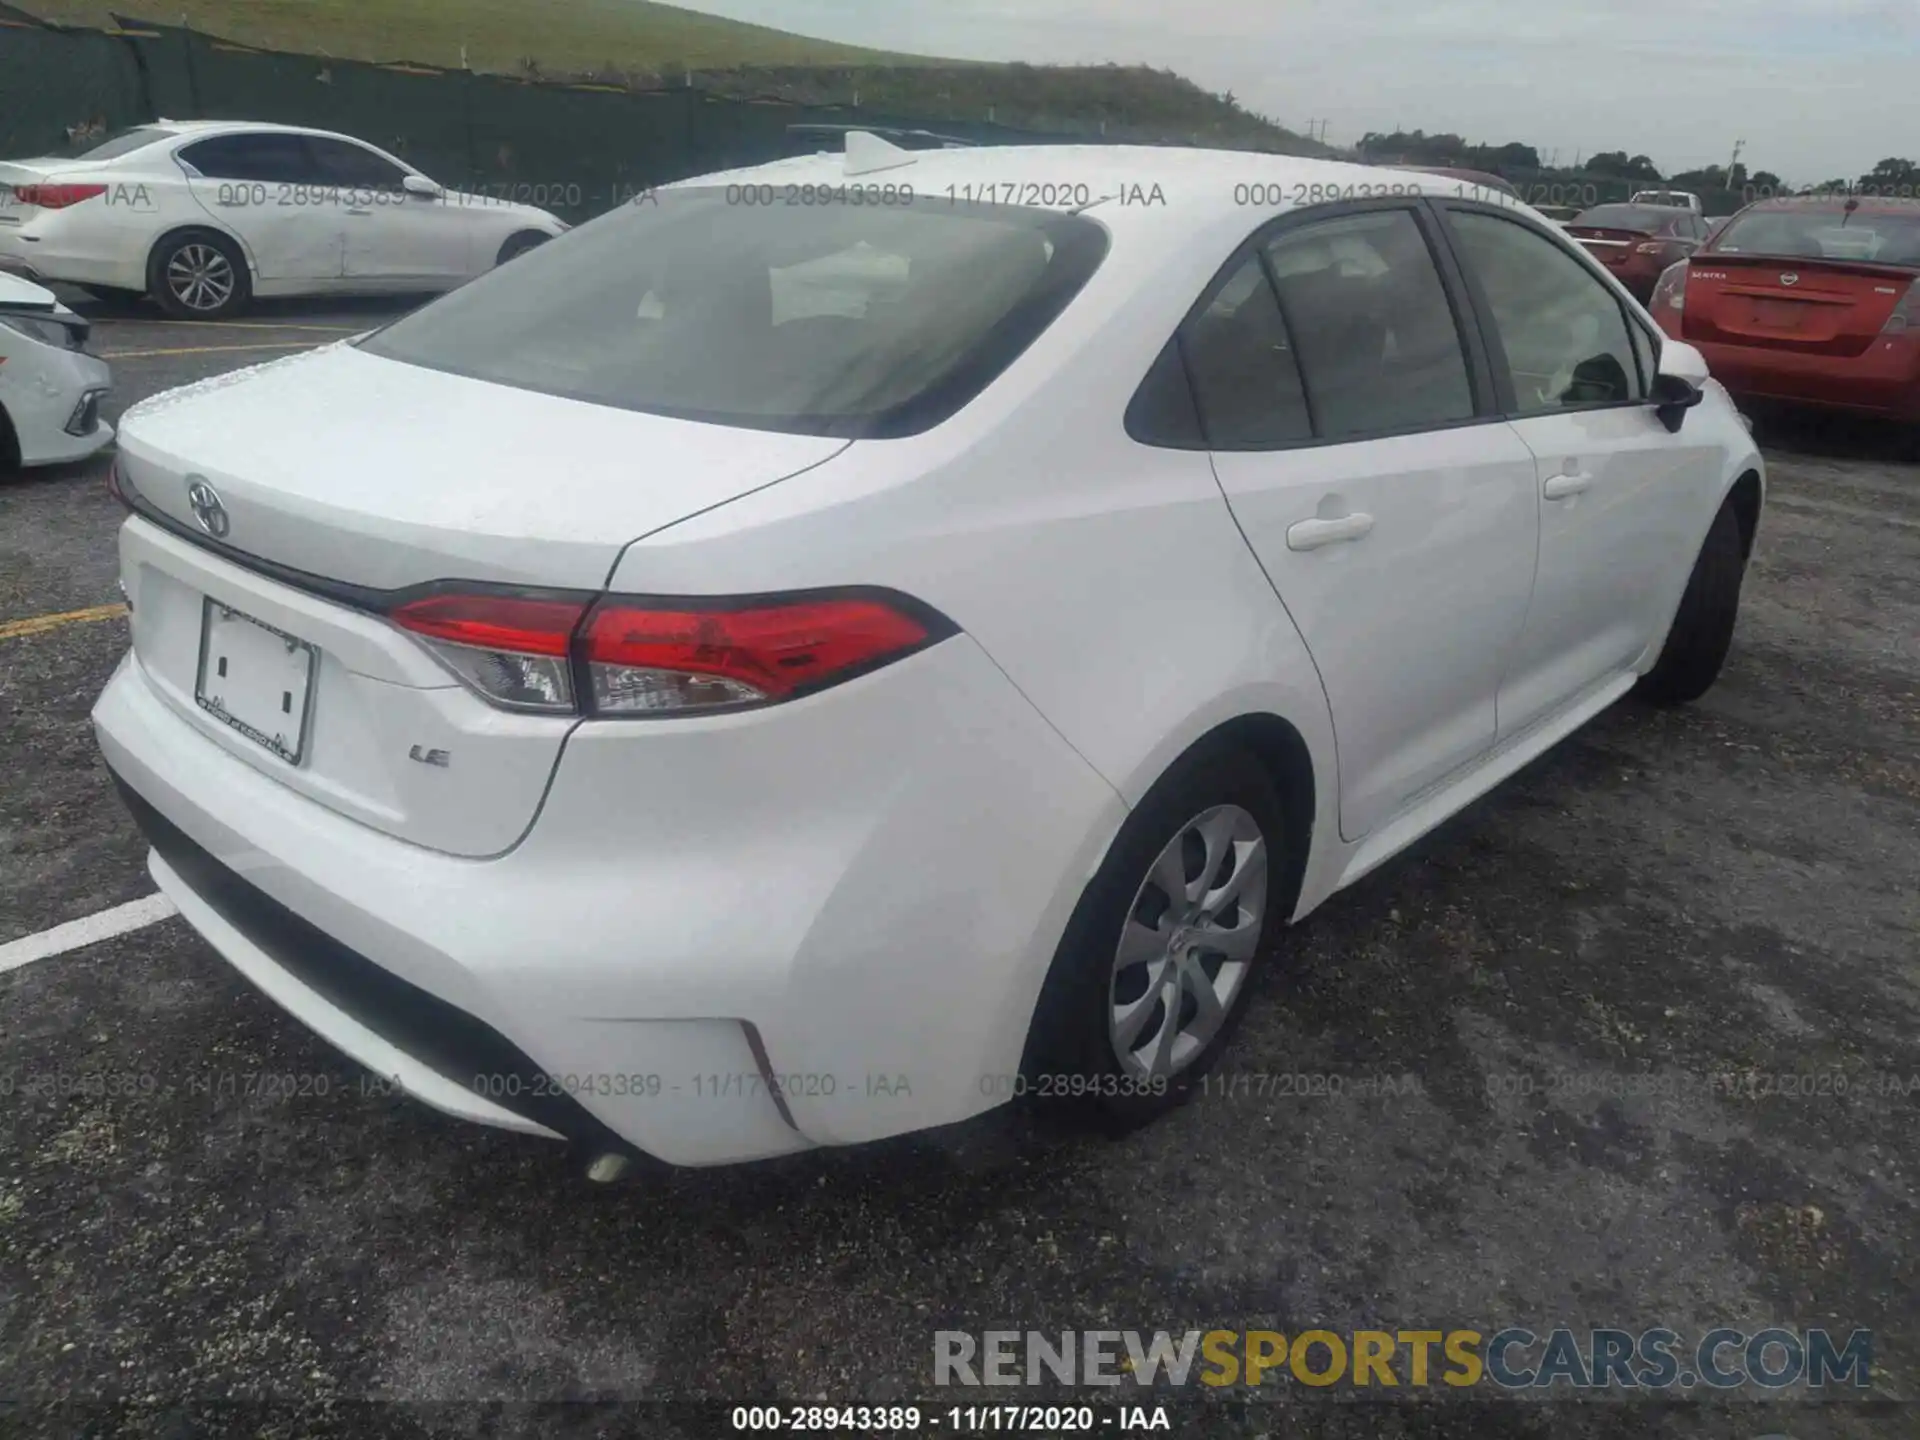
<point x="1818" y="89"/>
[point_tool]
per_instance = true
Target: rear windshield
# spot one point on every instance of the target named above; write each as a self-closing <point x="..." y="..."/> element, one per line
<point x="1646" y="219"/>
<point x="125" y="143"/>
<point x="831" y="319"/>
<point x="1825" y="232"/>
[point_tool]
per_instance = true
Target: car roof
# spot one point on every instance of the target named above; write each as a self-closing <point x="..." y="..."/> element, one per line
<point x="1139" y="185"/>
<point x="200" y="129"/>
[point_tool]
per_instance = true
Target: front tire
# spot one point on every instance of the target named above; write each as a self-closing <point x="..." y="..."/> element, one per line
<point x="1152" y="976"/>
<point x="199" y="275"/>
<point x="1702" y="630"/>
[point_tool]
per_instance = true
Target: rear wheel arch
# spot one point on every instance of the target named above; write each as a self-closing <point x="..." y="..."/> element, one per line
<point x="177" y="234"/>
<point x="1257" y="744"/>
<point x="9" y="443"/>
<point x="202" y="227"/>
<point x="518" y="243"/>
<point x="1282" y="752"/>
<point x="1745" y="498"/>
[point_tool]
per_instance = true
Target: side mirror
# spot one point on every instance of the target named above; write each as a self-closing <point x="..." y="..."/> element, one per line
<point x="1677" y="385"/>
<point x="420" y="185"/>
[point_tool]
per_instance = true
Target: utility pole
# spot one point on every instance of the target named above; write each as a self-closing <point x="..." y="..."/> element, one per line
<point x="1738" y="146"/>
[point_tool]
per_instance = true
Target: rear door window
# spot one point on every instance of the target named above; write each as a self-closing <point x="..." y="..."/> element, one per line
<point x="276" y="157"/>
<point x="1244" y="373"/>
<point x="1375" y="335"/>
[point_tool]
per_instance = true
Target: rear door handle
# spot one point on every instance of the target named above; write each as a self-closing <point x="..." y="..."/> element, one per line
<point x="1562" y="487"/>
<point x="1312" y="534"/>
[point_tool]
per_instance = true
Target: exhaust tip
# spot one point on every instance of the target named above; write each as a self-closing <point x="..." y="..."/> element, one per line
<point x="609" y="1166"/>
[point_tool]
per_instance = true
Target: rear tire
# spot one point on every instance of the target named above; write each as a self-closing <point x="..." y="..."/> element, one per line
<point x="199" y="275"/>
<point x="1136" y="954"/>
<point x="1702" y="630"/>
<point x="9" y="444"/>
<point x="520" y="244"/>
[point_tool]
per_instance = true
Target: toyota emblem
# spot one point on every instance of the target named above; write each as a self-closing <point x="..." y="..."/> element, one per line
<point x="206" y="506"/>
<point x="1790" y="278"/>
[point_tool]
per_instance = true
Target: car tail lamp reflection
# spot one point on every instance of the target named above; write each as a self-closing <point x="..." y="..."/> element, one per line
<point x="1905" y="319"/>
<point x="56" y="197"/>
<point x="617" y="656"/>
<point x="1671" y="291"/>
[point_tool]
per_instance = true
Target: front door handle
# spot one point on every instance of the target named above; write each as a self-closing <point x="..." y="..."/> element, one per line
<point x="1562" y="487"/>
<point x="1312" y="534"/>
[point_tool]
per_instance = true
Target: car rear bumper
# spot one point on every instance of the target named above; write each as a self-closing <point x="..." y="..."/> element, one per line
<point x="52" y="247"/>
<point x="1883" y="381"/>
<point x="851" y="949"/>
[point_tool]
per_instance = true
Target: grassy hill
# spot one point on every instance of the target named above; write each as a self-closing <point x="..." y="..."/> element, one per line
<point x="645" y="44"/>
<point x="563" y="36"/>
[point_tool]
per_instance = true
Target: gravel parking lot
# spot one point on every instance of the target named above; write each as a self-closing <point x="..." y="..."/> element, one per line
<point x="1560" y="983"/>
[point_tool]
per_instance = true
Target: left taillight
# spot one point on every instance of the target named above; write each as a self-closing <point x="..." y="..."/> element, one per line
<point x="56" y="196"/>
<point x="629" y="657"/>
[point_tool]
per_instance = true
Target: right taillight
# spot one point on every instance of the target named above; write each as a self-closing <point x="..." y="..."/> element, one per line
<point x="1905" y="318"/>
<point x="56" y="197"/>
<point x="1671" y="290"/>
<point x="617" y="656"/>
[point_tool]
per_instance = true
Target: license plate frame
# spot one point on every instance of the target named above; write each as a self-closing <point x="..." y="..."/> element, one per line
<point x="1780" y="314"/>
<point x="226" y="634"/>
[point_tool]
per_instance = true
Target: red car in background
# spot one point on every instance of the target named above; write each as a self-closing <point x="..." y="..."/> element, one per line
<point x="1638" y="242"/>
<point x="1814" y="301"/>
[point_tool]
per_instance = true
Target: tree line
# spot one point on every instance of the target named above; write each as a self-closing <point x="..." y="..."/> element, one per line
<point x="1893" y="175"/>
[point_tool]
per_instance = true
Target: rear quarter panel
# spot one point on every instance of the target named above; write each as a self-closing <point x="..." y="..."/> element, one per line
<point x="1106" y="578"/>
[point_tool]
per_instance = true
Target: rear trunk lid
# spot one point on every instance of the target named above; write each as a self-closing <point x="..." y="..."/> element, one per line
<point x="337" y="475"/>
<point x="382" y="474"/>
<point x="1609" y="245"/>
<point x="1815" y="307"/>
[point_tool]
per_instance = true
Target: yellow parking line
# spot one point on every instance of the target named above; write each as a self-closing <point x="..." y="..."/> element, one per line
<point x="209" y="349"/>
<point x="13" y="629"/>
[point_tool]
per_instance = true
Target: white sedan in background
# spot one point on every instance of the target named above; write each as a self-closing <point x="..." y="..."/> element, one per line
<point x="204" y="215"/>
<point x="746" y="678"/>
<point x="50" y="387"/>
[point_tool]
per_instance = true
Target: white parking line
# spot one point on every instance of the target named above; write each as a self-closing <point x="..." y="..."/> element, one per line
<point x="87" y="930"/>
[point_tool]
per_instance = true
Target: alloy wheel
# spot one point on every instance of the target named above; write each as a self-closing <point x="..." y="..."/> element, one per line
<point x="200" y="277"/>
<point x="1188" y="942"/>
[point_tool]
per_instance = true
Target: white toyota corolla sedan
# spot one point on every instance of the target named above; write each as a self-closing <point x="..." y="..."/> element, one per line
<point x="870" y="636"/>
<point x="50" y="386"/>
<point x="203" y="215"/>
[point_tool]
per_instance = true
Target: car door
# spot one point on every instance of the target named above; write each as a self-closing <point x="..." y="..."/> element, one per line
<point x="393" y="236"/>
<point x="1573" y="364"/>
<point x="1352" y="430"/>
<point x="261" y="185"/>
